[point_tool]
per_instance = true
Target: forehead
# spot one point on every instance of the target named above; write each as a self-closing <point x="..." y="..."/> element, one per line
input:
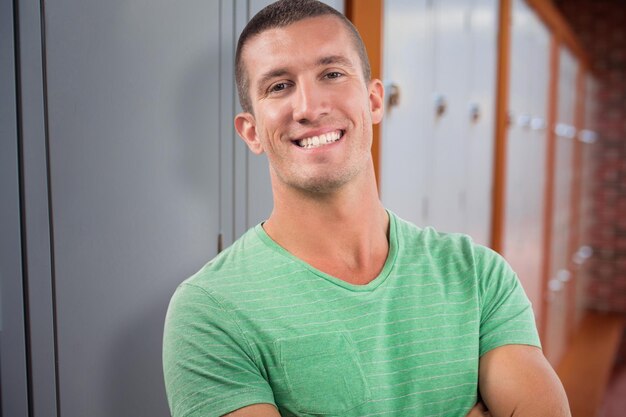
<point x="299" y="44"/>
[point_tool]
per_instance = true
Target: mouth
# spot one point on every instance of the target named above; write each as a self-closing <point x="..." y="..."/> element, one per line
<point x="319" y="141"/>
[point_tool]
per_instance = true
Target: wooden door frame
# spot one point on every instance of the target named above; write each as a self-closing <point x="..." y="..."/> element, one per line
<point x="367" y="17"/>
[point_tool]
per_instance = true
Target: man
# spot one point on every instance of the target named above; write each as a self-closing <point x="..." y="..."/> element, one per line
<point x="334" y="306"/>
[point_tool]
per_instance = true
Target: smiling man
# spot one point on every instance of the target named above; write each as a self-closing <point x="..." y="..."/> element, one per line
<point x="334" y="306"/>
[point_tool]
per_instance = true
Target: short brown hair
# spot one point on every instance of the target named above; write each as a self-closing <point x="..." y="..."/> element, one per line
<point x="280" y="14"/>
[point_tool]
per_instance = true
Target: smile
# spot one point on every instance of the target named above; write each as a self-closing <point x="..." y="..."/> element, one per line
<point x="321" y="140"/>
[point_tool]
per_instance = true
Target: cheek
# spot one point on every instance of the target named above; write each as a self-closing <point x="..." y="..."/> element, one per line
<point x="275" y="117"/>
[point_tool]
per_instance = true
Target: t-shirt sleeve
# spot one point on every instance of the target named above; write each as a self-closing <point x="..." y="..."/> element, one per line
<point x="506" y="315"/>
<point x="209" y="367"/>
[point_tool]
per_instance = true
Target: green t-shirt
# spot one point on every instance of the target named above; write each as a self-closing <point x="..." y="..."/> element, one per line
<point x="258" y="325"/>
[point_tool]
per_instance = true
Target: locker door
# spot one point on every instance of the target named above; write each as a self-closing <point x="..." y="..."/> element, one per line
<point x="535" y="161"/>
<point x="526" y="150"/>
<point x="13" y="368"/>
<point x="134" y="118"/>
<point x="479" y="119"/>
<point x="404" y="150"/>
<point x="517" y="153"/>
<point x="560" y="272"/>
<point x="588" y="137"/>
<point x="446" y="165"/>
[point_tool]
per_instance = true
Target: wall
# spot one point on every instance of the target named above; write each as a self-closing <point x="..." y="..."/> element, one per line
<point x="601" y="28"/>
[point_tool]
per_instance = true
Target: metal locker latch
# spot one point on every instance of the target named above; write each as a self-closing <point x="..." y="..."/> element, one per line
<point x="441" y="104"/>
<point x="523" y="120"/>
<point x="392" y="94"/>
<point x="537" y="123"/>
<point x="587" y="136"/>
<point x="474" y="110"/>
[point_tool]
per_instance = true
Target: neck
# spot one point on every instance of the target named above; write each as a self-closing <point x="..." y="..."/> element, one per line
<point x="343" y="233"/>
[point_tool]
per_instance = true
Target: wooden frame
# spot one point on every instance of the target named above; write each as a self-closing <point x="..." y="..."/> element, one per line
<point x="367" y="16"/>
<point x="502" y="124"/>
<point x="558" y="25"/>
<point x="553" y="94"/>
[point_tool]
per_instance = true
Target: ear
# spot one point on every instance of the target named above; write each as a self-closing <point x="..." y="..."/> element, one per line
<point x="245" y="125"/>
<point x="377" y="100"/>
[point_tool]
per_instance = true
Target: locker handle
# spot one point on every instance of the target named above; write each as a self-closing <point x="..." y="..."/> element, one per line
<point x="587" y="136"/>
<point x="563" y="275"/>
<point x="582" y="255"/>
<point x="555" y="285"/>
<point x="474" y="111"/>
<point x="537" y="123"/>
<point x="393" y="95"/>
<point x="441" y="104"/>
<point x="565" y="131"/>
<point x="523" y="120"/>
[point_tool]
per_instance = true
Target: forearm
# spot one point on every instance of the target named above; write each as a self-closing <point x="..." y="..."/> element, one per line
<point x="517" y="381"/>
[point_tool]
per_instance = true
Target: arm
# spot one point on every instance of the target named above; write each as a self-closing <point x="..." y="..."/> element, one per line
<point x="208" y="366"/>
<point x="518" y="381"/>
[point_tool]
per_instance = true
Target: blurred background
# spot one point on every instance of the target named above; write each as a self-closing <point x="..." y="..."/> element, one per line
<point x="121" y="175"/>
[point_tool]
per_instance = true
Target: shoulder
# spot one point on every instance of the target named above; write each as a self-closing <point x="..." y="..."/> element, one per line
<point x="450" y="255"/>
<point x="250" y="262"/>
<point x="436" y="245"/>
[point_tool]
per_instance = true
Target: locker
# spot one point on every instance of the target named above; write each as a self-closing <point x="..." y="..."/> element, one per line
<point x="516" y="150"/>
<point x="446" y="135"/>
<point x="479" y="120"/>
<point x="134" y="116"/>
<point x="560" y="277"/>
<point x="121" y="129"/>
<point x="441" y="56"/>
<point x="404" y="139"/>
<point x="526" y="150"/>
<point x="587" y="137"/>
<point x="132" y="178"/>
<point x="13" y="366"/>
<point x="534" y="190"/>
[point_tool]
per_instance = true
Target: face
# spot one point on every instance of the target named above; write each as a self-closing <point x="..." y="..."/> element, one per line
<point x="312" y="109"/>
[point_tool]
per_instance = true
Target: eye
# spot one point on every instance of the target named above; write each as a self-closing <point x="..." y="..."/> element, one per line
<point x="333" y="75"/>
<point x="278" y="87"/>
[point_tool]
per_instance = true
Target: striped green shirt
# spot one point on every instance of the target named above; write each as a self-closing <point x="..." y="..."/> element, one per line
<point x="258" y="325"/>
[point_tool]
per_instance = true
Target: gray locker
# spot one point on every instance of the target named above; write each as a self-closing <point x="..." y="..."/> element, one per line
<point x="121" y="176"/>
<point x="133" y="127"/>
<point x="13" y="368"/>
<point x="123" y="117"/>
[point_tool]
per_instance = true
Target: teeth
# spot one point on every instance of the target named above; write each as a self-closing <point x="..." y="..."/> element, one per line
<point x="317" y="141"/>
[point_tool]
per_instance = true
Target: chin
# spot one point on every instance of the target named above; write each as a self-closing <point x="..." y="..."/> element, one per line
<point x="321" y="186"/>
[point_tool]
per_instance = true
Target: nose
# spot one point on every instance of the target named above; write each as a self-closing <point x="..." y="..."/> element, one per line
<point x="310" y="102"/>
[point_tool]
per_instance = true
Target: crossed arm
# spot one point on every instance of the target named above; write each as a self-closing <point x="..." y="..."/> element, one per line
<point x="514" y="380"/>
<point x="517" y="380"/>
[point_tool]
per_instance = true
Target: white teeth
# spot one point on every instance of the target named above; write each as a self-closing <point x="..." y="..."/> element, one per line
<point x="317" y="141"/>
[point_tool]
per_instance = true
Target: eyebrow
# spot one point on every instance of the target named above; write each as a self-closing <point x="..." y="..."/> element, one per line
<point x="265" y="78"/>
<point x="335" y="59"/>
<point x="280" y="72"/>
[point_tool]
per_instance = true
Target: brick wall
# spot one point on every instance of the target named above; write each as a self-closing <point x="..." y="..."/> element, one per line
<point x="601" y="28"/>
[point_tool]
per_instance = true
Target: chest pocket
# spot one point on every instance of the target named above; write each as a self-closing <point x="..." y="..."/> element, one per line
<point x="323" y="374"/>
